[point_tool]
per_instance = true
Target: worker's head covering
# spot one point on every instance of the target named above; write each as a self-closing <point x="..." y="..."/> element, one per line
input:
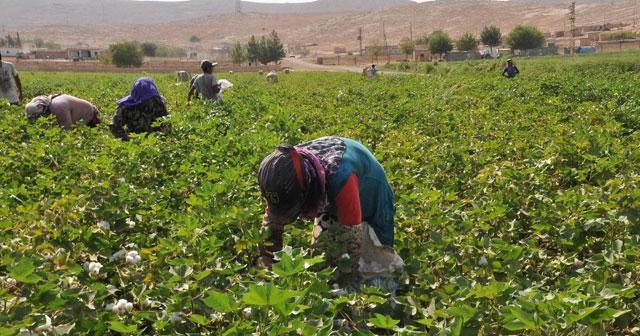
<point x="143" y="89"/>
<point x="292" y="180"/>
<point x="206" y="64"/>
<point x="509" y="60"/>
<point x="38" y="106"/>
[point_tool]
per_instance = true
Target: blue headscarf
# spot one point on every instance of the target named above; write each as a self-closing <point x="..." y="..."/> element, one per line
<point x="143" y="89"/>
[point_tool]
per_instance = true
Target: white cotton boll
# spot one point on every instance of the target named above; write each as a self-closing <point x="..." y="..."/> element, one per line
<point x="131" y="223"/>
<point x="247" y="312"/>
<point x="198" y="231"/>
<point x="110" y="307"/>
<point x="103" y="224"/>
<point x="129" y="306"/>
<point x="345" y="256"/>
<point x="122" y="180"/>
<point x="483" y="262"/>
<point x="133" y="258"/>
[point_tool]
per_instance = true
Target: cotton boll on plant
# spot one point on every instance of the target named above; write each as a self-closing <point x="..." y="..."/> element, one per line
<point x="103" y="224"/>
<point x="118" y="255"/>
<point x="92" y="267"/>
<point x="133" y="258"/>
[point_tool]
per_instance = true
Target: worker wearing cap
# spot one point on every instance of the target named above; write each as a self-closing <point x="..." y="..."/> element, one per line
<point x="510" y="70"/>
<point x="205" y="84"/>
<point x="340" y="183"/>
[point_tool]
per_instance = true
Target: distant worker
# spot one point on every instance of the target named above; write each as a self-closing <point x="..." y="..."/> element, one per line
<point x="139" y="110"/>
<point x="68" y="110"/>
<point x="205" y="85"/>
<point x="9" y="82"/>
<point x="373" y="70"/>
<point x="510" y="70"/>
<point x="272" y="76"/>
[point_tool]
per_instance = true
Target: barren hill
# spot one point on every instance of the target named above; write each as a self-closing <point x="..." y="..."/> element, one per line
<point x="331" y="29"/>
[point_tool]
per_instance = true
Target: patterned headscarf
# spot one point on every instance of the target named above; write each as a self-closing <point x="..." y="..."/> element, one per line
<point x="38" y="106"/>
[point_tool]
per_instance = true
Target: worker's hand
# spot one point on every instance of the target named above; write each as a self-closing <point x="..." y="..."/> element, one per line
<point x="264" y="262"/>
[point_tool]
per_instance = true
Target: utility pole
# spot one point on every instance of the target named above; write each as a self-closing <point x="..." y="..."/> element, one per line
<point x="386" y="46"/>
<point x="572" y="20"/>
<point x="360" y="39"/>
<point x="239" y="6"/>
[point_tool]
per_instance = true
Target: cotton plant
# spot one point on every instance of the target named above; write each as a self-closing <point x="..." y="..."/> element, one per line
<point x="92" y="267"/>
<point x="131" y="257"/>
<point x="119" y="307"/>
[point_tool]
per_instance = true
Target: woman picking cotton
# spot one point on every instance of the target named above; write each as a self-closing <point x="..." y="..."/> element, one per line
<point x="68" y="110"/>
<point x="138" y="111"/>
<point x="338" y="182"/>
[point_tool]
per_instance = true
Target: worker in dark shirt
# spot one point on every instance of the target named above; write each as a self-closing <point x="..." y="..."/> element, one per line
<point x="510" y="70"/>
<point x="138" y="111"/>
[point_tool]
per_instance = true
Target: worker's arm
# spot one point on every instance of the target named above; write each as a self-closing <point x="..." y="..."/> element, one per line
<point x="348" y="202"/>
<point x="190" y="94"/>
<point x="275" y="231"/>
<point x="18" y="85"/>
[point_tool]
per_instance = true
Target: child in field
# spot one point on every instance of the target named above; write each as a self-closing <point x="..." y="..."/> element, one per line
<point x="138" y="111"/>
<point x="68" y="110"/>
<point x="338" y="182"/>
<point x="205" y="85"/>
<point x="510" y="70"/>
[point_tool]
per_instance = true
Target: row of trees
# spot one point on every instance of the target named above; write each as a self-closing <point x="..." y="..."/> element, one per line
<point x="265" y="50"/>
<point x="520" y="38"/>
<point x="10" y="41"/>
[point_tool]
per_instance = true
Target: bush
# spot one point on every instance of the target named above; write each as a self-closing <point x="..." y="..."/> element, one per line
<point x="126" y="54"/>
<point x="525" y="37"/>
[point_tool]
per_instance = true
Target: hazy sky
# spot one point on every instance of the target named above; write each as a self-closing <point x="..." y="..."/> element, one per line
<point x="271" y="1"/>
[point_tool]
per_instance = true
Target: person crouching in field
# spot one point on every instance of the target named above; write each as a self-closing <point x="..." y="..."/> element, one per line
<point x="510" y="70"/>
<point x="205" y="85"/>
<point x="68" y="110"/>
<point x="340" y="184"/>
<point x="139" y="110"/>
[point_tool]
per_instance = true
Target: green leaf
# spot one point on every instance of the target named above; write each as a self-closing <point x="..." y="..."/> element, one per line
<point x="457" y="326"/>
<point x="524" y="317"/>
<point x="383" y="321"/>
<point x="63" y="329"/>
<point x="220" y="302"/>
<point x="490" y="291"/>
<point x="464" y="311"/>
<point x="199" y="319"/>
<point x="603" y="314"/>
<point x="267" y="295"/>
<point x="202" y="275"/>
<point x="122" y="328"/>
<point x="24" y="272"/>
<point x="288" y="266"/>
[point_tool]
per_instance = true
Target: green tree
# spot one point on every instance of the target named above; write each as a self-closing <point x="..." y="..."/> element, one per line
<point x="375" y="50"/>
<point x="194" y="39"/>
<point x="253" y="49"/>
<point x="126" y="54"/>
<point x="525" y="37"/>
<point x="238" y="54"/>
<point x="149" y="49"/>
<point x="275" y="49"/>
<point x="38" y="42"/>
<point x="467" y="42"/>
<point x="440" y="43"/>
<point x="263" y="51"/>
<point x="407" y="46"/>
<point x="491" y="36"/>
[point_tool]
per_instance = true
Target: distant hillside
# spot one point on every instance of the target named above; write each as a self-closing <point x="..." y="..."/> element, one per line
<point x="19" y="13"/>
<point x="315" y="25"/>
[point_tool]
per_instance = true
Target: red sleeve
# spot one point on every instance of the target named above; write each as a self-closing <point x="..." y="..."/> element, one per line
<point x="348" y="202"/>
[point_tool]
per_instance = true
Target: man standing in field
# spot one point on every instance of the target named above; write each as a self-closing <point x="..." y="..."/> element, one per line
<point x="9" y="76"/>
<point x="205" y="84"/>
